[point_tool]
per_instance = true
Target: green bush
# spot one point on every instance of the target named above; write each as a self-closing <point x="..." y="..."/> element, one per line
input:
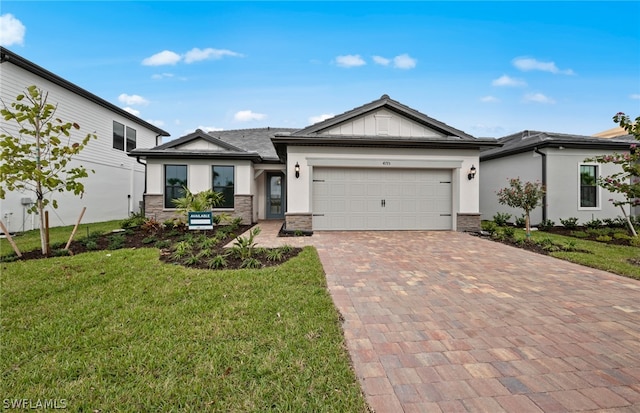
<point x="521" y="222"/>
<point x="134" y="221"/>
<point x="603" y="238"/>
<point x="621" y="235"/>
<point x="635" y="241"/>
<point x="508" y="232"/>
<point x="579" y="234"/>
<point x="593" y="223"/>
<point x="569" y="223"/>
<point x="501" y="219"/>
<point x="116" y="241"/>
<point x="489" y="226"/>
<point x="546" y="224"/>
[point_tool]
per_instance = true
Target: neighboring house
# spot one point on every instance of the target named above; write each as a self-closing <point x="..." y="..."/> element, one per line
<point x="557" y="161"/>
<point x="115" y="189"/>
<point x="381" y="166"/>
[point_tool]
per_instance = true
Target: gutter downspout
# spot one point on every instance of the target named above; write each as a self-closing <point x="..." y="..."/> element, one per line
<point x="544" y="181"/>
<point x="145" y="183"/>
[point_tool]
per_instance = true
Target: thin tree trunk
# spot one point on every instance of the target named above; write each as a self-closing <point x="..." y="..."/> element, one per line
<point x="633" y="230"/>
<point x="527" y="224"/>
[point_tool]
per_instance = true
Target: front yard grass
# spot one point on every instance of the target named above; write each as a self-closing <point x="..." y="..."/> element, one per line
<point x="612" y="258"/>
<point x="121" y="331"/>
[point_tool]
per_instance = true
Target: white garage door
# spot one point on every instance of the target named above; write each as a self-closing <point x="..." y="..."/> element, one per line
<point x="381" y="199"/>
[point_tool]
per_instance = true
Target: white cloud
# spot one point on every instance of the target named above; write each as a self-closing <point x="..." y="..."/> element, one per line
<point x="404" y="61"/>
<point x="527" y="64"/>
<point x="505" y="80"/>
<point x="209" y="128"/>
<point x="132" y="111"/>
<point x="320" y="118"/>
<point x="635" y="96"/>
<point x="166" y="57"/>
<point x="350" y="60"/>
<point x="538" y="98"/>
<point x="132" y="99"/>
<point x="489" y="99"/>
<point x="381" y="60"/>
<point x="11" y="30"/>
<point x="159" y="76"/>
<point x="247" y="115"/>
<point x="196" y="55"/>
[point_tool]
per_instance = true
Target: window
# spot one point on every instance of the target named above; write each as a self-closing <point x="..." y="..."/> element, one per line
<point x="588" y="186"/>
<point x="175" y="178"/>
<point x="223" y="183"/>
<point x="118" y="136"/>
<point x="131" y="139"/>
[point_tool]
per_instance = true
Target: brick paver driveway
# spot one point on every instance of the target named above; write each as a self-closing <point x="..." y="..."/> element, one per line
<point x="442" y="321"/>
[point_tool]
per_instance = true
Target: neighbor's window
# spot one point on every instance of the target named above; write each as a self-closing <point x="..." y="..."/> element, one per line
<point x="118" y="135"/>
<point x="131" y="139"/>
<point x="175" y="180"/>
<point x="223" y="183"/>
<point x="588" y="186"/>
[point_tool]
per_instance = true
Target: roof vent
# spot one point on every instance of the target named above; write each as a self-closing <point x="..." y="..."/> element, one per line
<point x="526" y="134"/>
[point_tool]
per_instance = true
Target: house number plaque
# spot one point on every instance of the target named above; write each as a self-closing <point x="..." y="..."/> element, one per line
<point x="386" y="163"/>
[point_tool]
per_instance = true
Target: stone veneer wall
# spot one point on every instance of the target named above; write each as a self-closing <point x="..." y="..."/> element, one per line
<point x="468" y="222"/>
<point x="298" y="222"/>
<point x="243" y="208"/>
<point x="154" y="208"/>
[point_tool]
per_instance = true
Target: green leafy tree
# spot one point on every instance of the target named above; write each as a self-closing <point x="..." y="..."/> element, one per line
<point x="627" y="181"/>
<point x="38" y="157"/>
<point x="195" y="202"/>
<point x="526" y="196"/>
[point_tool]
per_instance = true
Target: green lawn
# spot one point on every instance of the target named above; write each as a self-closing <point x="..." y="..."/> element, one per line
<point x="612" y="258"/>
<point x="112" y="331"/>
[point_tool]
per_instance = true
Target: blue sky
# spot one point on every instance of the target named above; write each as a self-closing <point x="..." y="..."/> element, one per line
<point x="487" y="68"/>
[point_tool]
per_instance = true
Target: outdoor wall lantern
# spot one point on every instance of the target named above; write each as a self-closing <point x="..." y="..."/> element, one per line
<point x="472" y="172"/>
<point x="297" y="169"/>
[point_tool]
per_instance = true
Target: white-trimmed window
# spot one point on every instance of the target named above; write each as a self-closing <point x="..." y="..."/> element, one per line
<point x="175" y="180"/>
<point x="588" y="183"/>
<point x="223" y="182"/>
<point x="122" y="141"/>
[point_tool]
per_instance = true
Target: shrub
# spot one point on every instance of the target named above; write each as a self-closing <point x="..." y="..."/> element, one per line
<point x="250" y="263"/>
<point x="509" y="232"/>
<point x="91" y="245"/>
<point x="603" y="238"/>
<point x="274" y="254"/>
<point x="116" y="241"/>
<point x="134" y="221"/>
<point x="244" y="247"/>
<point x="569" y="223"/>
<point x="521" y="222"/>
<point x="286" y="248"/>
<point x="546" y="224"/>
<point x="165" y="243"/>
<point x="593" y="223"/>
<point x="219" y="261"/>
<point x="621" y="235"/>
<point x="489" y="226"/>
<point x="635" y="241"/>
<point x="501" y="219"/>
<point x="150" y="240"/>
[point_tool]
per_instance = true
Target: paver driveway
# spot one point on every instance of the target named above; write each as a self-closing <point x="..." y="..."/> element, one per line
<point x="443" y="321"/>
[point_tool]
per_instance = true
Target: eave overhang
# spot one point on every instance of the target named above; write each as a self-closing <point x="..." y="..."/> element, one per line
<point x="557" y="144"/>
<point x="169" y="154"/>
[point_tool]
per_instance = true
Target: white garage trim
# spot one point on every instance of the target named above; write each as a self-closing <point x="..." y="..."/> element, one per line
<point x="349" y="198"/>
<point x="385" y="162"/>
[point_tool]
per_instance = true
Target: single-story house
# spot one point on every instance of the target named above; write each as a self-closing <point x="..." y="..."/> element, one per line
<point x="558" y="161"/>
<point x="115" y="190"/>
<point x="380" y="166"/>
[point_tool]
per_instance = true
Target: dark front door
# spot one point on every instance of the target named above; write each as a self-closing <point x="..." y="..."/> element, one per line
<point x="275" y="195"/>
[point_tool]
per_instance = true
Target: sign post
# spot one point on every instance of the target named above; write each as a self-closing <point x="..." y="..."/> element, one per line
<point x="200" y="220"/>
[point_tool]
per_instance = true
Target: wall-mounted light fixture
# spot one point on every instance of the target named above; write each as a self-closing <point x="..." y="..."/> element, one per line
<point x="472" y="172"/>
<point x="297" y="169"/>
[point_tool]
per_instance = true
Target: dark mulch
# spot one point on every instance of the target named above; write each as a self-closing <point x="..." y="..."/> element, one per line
<point x="590" y="237"/>
<point x="164" y="239"/>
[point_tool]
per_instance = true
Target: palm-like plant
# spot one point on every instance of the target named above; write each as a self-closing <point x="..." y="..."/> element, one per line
<point x="201" y="201"/>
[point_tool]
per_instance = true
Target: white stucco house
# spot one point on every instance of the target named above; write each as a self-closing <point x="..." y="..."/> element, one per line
<point x="115" y="189"/>
<point x="380" y="166"/>
<point x="558" y="162"/>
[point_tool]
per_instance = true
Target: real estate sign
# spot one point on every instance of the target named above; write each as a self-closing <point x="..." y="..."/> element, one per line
<point x="200" y="220"/>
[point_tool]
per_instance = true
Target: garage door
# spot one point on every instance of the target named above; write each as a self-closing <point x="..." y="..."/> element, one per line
<point x="381" y="199"/>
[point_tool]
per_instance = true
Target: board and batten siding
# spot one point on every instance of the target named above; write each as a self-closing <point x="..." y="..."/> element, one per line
<point x="114" y="190"/>
<point x="382" y="122"/>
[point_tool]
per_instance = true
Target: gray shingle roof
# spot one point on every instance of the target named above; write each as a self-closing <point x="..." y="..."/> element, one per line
<point x="529" y="140"/>
<point x="253" y="140"/>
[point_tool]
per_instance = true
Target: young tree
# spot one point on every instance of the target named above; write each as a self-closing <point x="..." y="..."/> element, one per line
<point x="527" y="196"/>
<point x="38" y="157"/>
<point x="627" y="181"/>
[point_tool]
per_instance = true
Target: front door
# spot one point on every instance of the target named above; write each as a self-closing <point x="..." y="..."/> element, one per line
<point x="275" y="195"/>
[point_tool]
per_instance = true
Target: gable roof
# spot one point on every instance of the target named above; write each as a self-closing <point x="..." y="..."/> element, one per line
<point x="7" y="56"/>
<point x="251" y="144"/>
<point x="530" y="140"/>
<point x="451" y="138"/>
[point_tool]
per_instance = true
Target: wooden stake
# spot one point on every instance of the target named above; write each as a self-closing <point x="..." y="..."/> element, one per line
<point x="13" y="244"/>
<point x="75" y="228"/>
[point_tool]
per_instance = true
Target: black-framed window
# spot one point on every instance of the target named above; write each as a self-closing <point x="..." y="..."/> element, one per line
<point x="223" y="182"/>
<point x="175" y="180"/>
<point x="588" y="186"/>
<point x="131" y="139"/>
<point x="118" y="135"/>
